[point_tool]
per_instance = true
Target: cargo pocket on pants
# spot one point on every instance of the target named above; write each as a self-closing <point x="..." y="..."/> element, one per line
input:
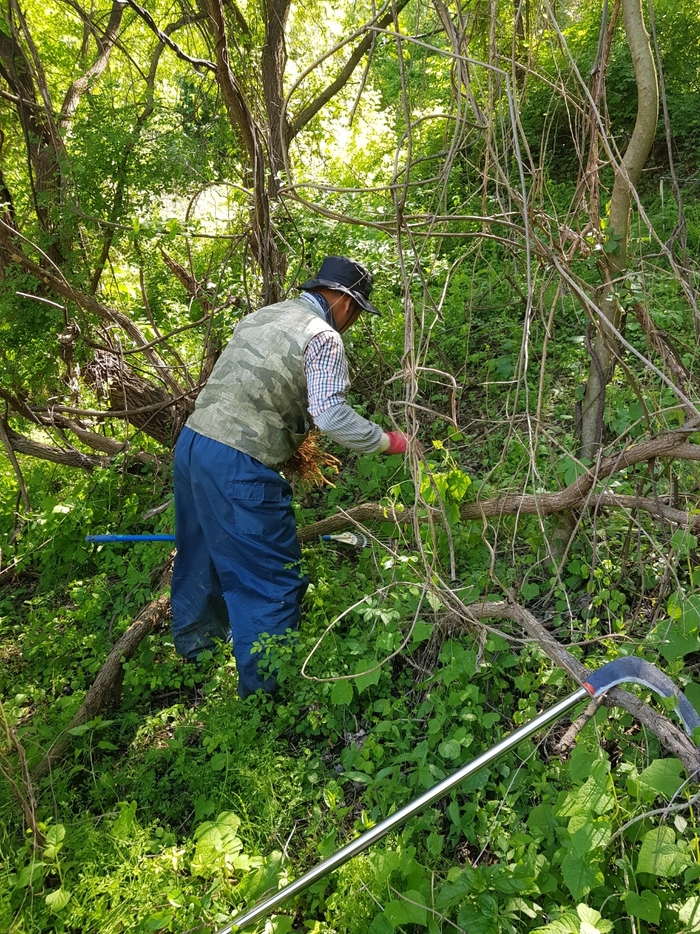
<point x="258" y="508"/>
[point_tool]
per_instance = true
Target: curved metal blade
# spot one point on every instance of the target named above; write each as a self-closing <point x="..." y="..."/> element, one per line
<point x="639" y="671"/>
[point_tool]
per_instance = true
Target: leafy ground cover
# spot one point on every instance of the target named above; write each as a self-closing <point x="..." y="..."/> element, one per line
<point x="186" y="803"/>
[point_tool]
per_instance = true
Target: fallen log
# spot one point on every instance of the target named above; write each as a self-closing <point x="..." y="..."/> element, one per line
<point x="671" y="736"/>
<point x="578" y="495"/>
<point x="106" y="688"/>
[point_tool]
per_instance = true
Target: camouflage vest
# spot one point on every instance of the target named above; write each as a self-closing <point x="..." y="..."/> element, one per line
<point x="256" y="398"/>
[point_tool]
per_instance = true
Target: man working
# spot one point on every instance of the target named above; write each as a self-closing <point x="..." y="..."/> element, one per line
<point x="238" y="556"/>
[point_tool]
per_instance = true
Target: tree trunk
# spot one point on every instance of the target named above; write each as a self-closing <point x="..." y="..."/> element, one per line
<point x="605" y="349"/>
<point x="145" y="405"/>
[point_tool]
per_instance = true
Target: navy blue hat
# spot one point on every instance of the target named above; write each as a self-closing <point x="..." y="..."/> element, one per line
<point x="345" y="275"/>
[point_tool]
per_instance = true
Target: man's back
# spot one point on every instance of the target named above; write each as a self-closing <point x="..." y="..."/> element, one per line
<point x="256" y="397"/>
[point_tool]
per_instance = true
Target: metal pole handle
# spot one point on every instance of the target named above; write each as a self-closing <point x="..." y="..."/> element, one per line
<point x="380" y="830"/>
<point x="129" y="538"/>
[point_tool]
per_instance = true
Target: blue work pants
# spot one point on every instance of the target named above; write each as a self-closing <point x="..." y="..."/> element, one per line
<point x="238" y="556"/>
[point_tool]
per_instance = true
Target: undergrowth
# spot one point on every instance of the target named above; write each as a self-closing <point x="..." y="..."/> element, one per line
<point x="187" y="803"/>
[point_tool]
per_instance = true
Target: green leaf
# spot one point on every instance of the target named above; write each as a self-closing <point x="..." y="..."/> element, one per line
<point x="282" y="924"/>
<point x="449" y="749"/>
<point x="481" y="917"/>
<point x="662" y="777"/>
<point x="421" y="632"/>
<point x="160" y="920"/>
<point x="683" y="541"/>
<point x="414" y="903"/>
<point x="580" y="874"/>
<point x="592" y="922"/>
<point x="568" y="923"/>
<point x="384" y="863"/>
<point x="58" y="899"/>
<point x="475" y="781"/>
<point x="593" y="835"/>
<point x="372" y="677"/>
<point x="541" y="821"/>
<point x="123" y="825"/>
<point x="457" y="484"/>
<point x="690" y="914"/>
<point x="203" y="807"/>
<point x="265" y="878"/>
<point x="661" y="855"/>
<point x="593" y="797"/>
<point x="677" y="636"/>
<point x="380" y="925"/>
<point x="30" y="874"/>
<point x="530" y="591"/>
<point x="692" y="692"/>
<point x="435" y="843"/>
<point x="691" y="610"/>
<point x="97" y="724"/>
<point x="341" y="693"/>
<point x="81" y="729"/>
<point x="218" y="761"/>
<point x="217" y="844"/>
<point x="54" y="840"/>
<point x="453" y="892"/>
<point x="511" y="880"/>
<point x="581" y="762"/>
<point x="361" y="777"/>
<point x="675" y="639"/>
<point x="395" y="913"/>
<point x="646" y="906"/>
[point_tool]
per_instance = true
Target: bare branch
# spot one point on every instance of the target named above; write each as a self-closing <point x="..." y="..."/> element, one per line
<point x="310" y="111"/>
<point x="166" y="40"/>
<point x="577" y="495"/>
<point x="81" y="85"/>
<point x="15" y="466"/>
<point x="673" y="738"/>
<point x="73" y="457"/>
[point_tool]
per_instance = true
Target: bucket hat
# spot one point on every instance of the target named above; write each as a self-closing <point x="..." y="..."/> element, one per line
<point x="345" y="275"/>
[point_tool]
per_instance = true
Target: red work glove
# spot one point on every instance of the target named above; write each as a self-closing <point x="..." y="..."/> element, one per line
<point x="397" y="442"/>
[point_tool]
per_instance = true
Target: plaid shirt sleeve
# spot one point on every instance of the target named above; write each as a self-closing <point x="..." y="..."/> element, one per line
<point x="327" y="375"/>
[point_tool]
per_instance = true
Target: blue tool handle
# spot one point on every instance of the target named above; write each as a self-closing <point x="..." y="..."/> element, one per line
<point x="129" y="538"/>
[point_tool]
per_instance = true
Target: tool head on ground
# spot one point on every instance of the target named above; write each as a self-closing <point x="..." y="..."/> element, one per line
<point x="354" y="539"/>
<point x="631" y="669"/>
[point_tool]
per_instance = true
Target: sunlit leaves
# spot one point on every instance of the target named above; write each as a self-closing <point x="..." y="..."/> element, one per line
<point x="218" y="844"/>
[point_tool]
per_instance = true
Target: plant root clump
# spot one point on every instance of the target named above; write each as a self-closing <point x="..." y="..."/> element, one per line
<point x="304" y="469"/>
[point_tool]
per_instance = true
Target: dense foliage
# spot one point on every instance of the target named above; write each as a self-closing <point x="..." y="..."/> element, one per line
<point x="152" y="193"/>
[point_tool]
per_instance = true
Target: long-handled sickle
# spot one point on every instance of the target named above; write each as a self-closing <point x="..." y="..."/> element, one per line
<point x="355" y="539"/>
<point x="621" y="670"/>
<point x="130" y="538"/>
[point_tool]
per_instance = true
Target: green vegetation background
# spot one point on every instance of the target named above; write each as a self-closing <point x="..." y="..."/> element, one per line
<point x="186" y="803"/>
